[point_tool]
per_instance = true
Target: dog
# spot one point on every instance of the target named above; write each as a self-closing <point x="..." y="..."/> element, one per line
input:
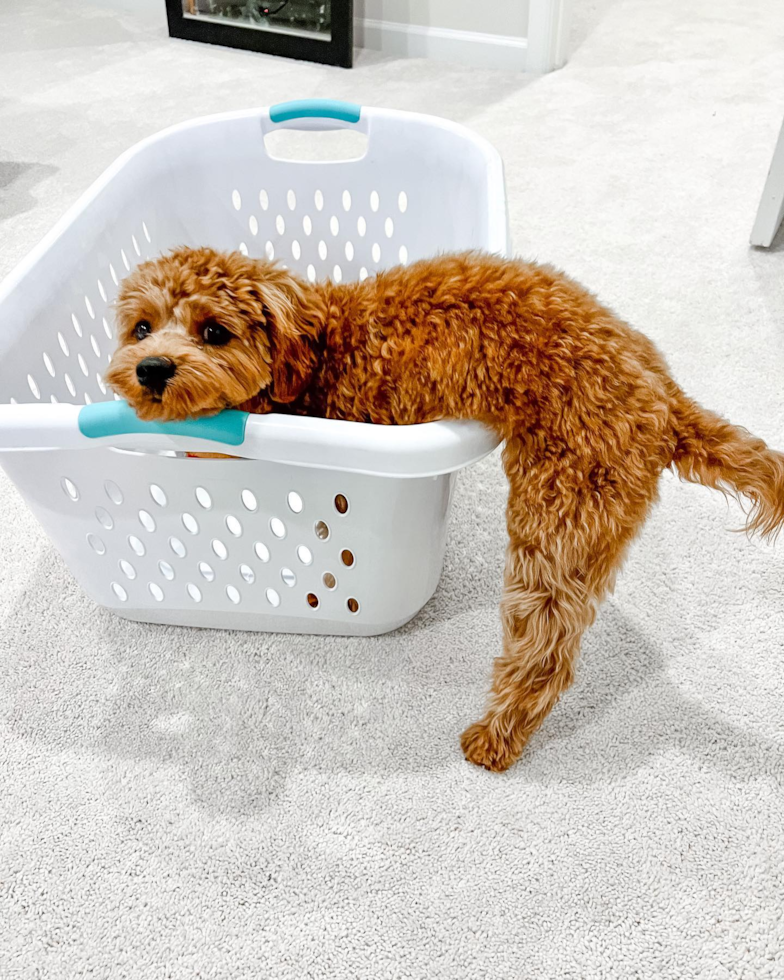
<point x="587" y="409"/>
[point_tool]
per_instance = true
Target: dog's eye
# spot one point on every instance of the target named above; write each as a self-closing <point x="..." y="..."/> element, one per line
<point x="142" y="328"/>
<point x="215" y="334"/>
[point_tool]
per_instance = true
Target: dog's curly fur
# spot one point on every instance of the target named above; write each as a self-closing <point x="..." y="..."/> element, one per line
<point x="587" y="408"/>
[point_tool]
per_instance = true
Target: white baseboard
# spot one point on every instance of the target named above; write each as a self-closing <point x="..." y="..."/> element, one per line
<point x="472" y="48"/>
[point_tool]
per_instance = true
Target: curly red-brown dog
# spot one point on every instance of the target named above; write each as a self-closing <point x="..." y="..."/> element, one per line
<point x="587" y="408"/>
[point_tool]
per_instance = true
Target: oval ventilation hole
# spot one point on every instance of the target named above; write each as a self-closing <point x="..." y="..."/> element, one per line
<point x="272" y="597"/>
<point x="337" y="273"/>
<point x="247" y="574"/>
<point x="243" y="248"/>
<point x="288" y="577"/>
<point x="76" y="325"/>
<point x="166" y="570"/>
<point x="262" y="551"/>
<point x="349" y="251"/>
<point x="31" y="383"/>
<point x="220" y="549"/>
<point x="194" y="592"/>
<point x="52" y="399"/>
<point x="402" y="202"/>
<point x="296" y="251"/>
<point x="63" y="344"/>
<point x="233" y="594"/>
<point x="119" y="591"/>
<point x="341" y="504"/>
<point x="190" y="523"/>
<point x="147" y="521"/>
<point x="295" y="502"/>
<point x="304" y="554"/>
<point x="125" y="261"/>
<point x="82" y="365"/>
<point x="96" y="544"/>
<point x="234" y="525"/>
<point x="203" y="498"/>
<point x="353" y="606"/>
<point x="269" y="251"/>
<point x="347" y="557"/>
<point x="263" y="200"/>
<point x="374" y="201"/>
<point x="136" y="546"/>
<point x="346" y="201"/>
<point x="307" y="224"/>
<point x="113" y="492"/>
<point x="403" y="254"/>
<point x="48" y="365"/>
<point x="318" y="200"/>
<point x="334" y="225"/>
<point x="89" y="306"/>
<point x="236" y="199"/>
<point x="69" y="384"/>
<point x="158" y="495"/>
<point x="361" y="226"/>
<point x="311" y="273"/>
<point x="113" y="274"/>
<point x="277" y="527"/>
<point x="249" y="500"/>
<point x="94" y="345"/>
<point x="104" y="518"/>
<point x="321" y="530"/>
<point x="291" y="200"/>
<point x="101" y="385"/>
<point x="156" y="591"/>
<point x="87" y="399"/>
<point x="101" y="290"/>
<point x="177" y="547"/>
<point x="106" y="328"/>
<point x="146" y="231"/>
<point x="322" y="249"/>
<point x="363" y="274"/>
<point x="253" y="225"/>
<point x="329" y="580"/>
<point x="389" y="227"/>
<point x="280" y="225"/>
<point x="127" y="569"/>
<point x="313" y="601"/>
<point x="206" y="571"/>
<point x="376" y="252"/>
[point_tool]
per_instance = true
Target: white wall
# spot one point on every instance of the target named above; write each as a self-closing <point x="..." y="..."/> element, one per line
<point x="482" y="16"/>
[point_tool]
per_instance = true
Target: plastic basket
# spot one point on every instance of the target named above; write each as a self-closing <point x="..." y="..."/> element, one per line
<point x="323" y="526"/>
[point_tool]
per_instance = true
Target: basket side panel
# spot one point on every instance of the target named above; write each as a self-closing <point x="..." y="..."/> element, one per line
<point x="238" y="543"/>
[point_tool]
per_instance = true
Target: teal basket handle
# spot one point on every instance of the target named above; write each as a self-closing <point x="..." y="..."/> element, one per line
<point x="315" y="109"/>
<point x="118" y="418"/>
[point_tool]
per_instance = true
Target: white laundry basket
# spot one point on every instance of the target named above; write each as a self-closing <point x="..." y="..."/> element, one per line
<point x="322" y="526"/>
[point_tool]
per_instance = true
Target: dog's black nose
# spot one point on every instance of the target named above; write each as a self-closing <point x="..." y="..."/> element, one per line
<point x="154" y="372"/>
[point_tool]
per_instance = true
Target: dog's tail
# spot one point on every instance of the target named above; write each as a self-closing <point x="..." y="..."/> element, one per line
<point x="711" y="451"/>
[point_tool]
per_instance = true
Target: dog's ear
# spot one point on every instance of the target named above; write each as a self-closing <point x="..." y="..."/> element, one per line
<point x="294" y="315"/>
<point x="294" y="360"/>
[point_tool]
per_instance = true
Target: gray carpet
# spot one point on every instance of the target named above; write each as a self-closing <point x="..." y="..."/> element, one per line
<point x="180" y="803"/>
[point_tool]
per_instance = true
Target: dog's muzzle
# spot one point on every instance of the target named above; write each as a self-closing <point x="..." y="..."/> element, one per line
<point x="154" y="373"/>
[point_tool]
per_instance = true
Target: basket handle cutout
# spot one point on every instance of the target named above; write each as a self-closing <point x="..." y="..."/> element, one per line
<point x="315" y="130"/>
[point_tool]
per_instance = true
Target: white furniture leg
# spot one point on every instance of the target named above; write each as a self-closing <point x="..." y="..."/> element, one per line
<point x="549" y="24"/>
<point x="771" y="206"/>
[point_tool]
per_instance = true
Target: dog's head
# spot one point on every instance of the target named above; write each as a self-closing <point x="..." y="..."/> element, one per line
<point x="200" y="331"/>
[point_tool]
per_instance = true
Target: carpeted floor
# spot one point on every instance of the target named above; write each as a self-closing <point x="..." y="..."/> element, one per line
<point x="180" y="803"/>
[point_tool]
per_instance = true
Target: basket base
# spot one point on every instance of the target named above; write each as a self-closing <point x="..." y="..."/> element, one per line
<point x="254" y="623"/>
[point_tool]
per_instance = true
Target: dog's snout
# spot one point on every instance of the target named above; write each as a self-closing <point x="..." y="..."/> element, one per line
<point x="154" y="372"/>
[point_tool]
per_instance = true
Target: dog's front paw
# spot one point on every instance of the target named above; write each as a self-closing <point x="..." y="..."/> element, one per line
<point x="484" y="746"/>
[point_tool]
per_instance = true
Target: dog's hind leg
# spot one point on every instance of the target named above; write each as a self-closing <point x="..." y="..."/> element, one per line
<point x="568" y="535"/>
